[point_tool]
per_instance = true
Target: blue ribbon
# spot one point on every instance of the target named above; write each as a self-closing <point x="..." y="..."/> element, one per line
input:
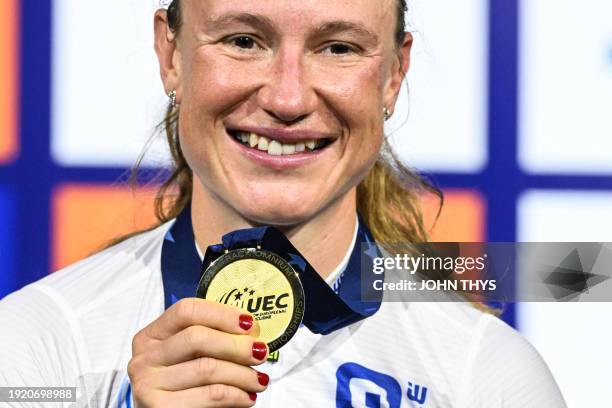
<point x="326" y="310"/>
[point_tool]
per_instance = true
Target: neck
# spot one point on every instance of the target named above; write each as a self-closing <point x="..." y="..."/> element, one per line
<point x="322" y="239"/>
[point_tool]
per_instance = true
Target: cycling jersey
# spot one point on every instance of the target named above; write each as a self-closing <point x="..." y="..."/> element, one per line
<point x="74" y="328"/>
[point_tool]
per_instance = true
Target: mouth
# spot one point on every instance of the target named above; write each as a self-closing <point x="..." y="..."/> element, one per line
<point x="276" y="146"/>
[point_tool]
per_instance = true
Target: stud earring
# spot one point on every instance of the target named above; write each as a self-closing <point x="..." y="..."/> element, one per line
<point x="172" y="96"/>
<point x="386" y="114"/>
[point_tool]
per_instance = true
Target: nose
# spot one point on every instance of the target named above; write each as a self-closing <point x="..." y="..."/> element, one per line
<point x="287" y="95"/>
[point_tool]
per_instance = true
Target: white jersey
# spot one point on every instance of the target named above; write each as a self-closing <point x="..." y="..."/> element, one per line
<point x="74" y="328"/>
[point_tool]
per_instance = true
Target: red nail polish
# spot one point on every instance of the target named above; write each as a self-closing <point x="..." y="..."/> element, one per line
<point x="259" y="350"/>
<point x="252" y="396"/>
<point x="246" y="322"/>
<point x="263" y="378"/>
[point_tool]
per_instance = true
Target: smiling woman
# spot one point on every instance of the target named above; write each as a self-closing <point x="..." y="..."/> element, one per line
<point x="281" y="173"/>
<point x="343" y="56"/>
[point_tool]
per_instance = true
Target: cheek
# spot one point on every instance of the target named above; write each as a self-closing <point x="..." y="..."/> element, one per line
<point x="212" y="84"/>
<point x="355" y="94"/>
<point x="215" y="82"/>
<point x="365" y="121"/>
<point x="362" y="96"/>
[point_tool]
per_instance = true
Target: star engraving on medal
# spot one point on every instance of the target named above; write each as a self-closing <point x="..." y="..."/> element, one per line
<point x="252" y="292"/>
<point x="238" y="296"/>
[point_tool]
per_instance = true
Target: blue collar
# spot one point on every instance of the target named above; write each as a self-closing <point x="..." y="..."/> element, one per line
<point x="326" y="309"/>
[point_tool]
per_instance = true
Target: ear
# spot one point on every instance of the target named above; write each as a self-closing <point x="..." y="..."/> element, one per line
<point x="167" y="54"/>
<point x="399" y="69"/>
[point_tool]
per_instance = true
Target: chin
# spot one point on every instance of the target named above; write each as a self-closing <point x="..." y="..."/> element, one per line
<point x="270" y="202"/>
<point x="277" y="211"/>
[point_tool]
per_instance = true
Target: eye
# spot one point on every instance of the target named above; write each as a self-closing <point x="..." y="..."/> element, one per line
<point x="244" y="42"/>
<point x="340" y="49"/>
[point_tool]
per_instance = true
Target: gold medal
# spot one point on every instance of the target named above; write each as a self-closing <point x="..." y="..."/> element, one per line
<point x="263" y="284"/>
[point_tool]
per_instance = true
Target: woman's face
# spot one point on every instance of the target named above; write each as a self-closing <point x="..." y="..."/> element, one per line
<point x="281" y="101"/>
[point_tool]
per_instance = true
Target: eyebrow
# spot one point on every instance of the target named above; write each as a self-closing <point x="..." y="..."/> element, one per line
<point x="255" y="20"/>
<point x="356" y="29"/>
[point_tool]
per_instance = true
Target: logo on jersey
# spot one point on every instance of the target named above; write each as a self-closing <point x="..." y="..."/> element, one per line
<point x="359" y="386"/>
<point x="417" y="393"/>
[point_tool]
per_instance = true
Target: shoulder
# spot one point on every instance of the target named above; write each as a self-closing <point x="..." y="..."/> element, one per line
<point x="499" y="368"/>
<point x="107" y="274"/>
<point x="475" y="357"/>
<point x="77" y="317"/>
<point x="506" y="370"/>
<point x="117" y="275"/>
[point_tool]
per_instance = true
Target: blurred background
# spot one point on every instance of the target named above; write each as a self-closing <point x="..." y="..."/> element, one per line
<point x="508" y="108"/>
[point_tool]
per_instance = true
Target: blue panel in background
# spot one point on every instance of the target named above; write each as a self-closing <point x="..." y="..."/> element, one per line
<point x="8" y="233"/>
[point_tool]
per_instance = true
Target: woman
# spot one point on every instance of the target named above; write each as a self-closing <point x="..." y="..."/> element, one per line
<point x="276" y="118"/>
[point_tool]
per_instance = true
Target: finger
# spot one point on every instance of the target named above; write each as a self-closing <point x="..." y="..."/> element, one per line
<point x="206" y="371"/>
<point x="213" y="396"/>
<point x="193" y="311"/>
<point x="198" y="341"/>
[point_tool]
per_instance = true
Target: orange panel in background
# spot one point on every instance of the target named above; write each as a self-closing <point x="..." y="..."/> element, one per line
<point x="462" y="218"/>
<point x="87" y="217"/>
<point x="9" y="79"/>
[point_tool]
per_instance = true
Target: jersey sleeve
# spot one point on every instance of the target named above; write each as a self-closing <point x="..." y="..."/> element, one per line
<point x="507" y="371"/>
<point x="36" y="345"/>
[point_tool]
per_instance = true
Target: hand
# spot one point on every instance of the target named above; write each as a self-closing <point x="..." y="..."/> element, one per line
<point x="198" y="354"/>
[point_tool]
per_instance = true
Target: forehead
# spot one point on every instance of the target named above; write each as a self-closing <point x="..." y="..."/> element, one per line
<point x="378" y="15"/>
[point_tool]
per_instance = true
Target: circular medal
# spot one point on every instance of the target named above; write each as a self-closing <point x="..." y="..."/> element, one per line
<point x="262" y="283"/>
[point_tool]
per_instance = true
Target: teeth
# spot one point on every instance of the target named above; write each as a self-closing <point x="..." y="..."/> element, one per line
<point x="274" y="147"/>
<point x="288" y="149"/>
<point x="253" y="140"/>
<point x="263" y="143"/>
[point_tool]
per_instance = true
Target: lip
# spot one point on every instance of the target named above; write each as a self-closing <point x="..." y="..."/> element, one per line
<point x="287" y="162"/>
<point x="290" y="136"/>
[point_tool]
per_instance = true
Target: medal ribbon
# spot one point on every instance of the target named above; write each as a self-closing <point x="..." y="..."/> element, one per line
<point x="325" y="309"/>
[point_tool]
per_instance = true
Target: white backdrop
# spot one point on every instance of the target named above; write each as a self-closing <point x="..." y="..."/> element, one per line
<point x="566" y="86"/>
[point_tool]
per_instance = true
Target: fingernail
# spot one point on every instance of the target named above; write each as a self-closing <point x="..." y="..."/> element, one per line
<point x="263" y="378"/>
<point x="259" y="350"/>
<point x="246" y="322"/>
<point x="252" y="396"/>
